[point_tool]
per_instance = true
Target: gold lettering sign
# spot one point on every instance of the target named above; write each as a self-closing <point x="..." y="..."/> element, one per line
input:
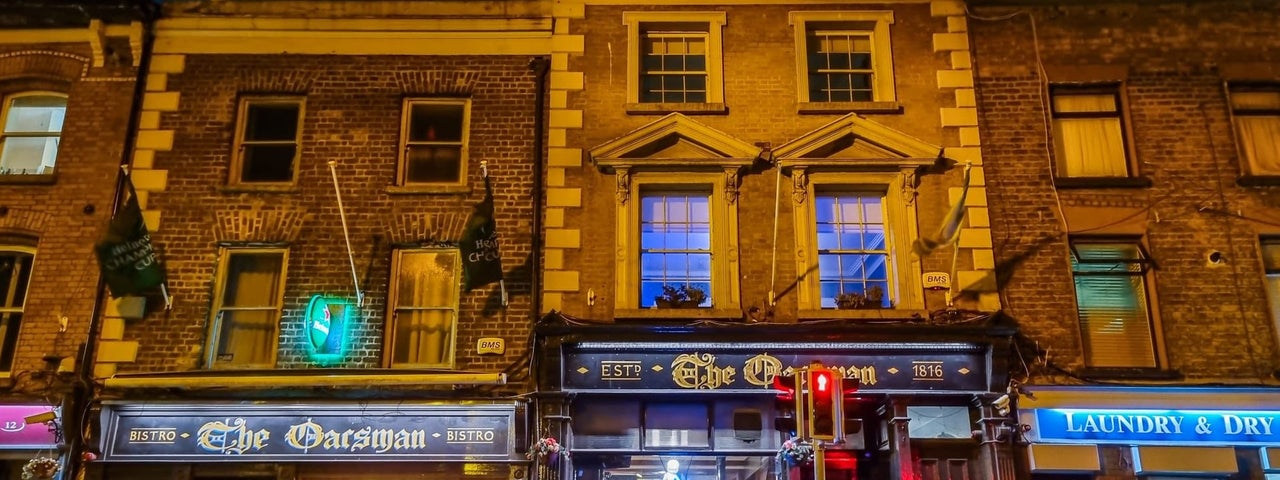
<point x="699" y="371"/>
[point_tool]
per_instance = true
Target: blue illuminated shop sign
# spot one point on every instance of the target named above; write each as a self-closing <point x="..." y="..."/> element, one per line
<point x="1156" y="427"/>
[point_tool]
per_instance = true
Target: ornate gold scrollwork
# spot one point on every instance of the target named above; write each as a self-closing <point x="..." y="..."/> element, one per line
<point x="799" y="185"/>
<point x="623" y="177"/>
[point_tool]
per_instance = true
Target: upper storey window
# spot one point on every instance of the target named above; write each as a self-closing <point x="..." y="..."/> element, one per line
<point x="267" y="141"/>
<point x="844" y="61"/>
<point x="433" y="142"/>
<point x="32" y="130"/>
<point x="674" y="61"/>
<point x="1089" y="133"/>
<point x="1256" y="111"/>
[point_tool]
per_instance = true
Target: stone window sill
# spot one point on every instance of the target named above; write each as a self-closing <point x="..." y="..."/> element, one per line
<point x="678" y="314"/>
<point x="1258" y="180"/>
<point x="428" y="190"/>
<point x="1134" y="373"/>
<point x="246" y="188"/>
<point x="20" y="179"/>
<point x="685" y="108"/>
<point x="897" y="314"/>
<point x="1102" y="182"/>
<point x="850" y="107"/>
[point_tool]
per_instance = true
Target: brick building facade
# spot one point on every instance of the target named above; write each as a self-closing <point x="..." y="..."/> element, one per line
<point x="311" y="173"/>
<point x="1128" y="151"/>
<point x="67" y="78"/>
<point x="721" y="149"/>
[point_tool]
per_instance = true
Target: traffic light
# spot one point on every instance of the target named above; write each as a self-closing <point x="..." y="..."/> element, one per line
<point x="793" y="395"/>
<point x="825" y="403"/>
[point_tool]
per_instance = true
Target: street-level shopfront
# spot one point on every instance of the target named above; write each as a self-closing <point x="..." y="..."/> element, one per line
<point x="635" y="402"/>
<point x="1165" y="433"/>
<point x="312" y="441"/>
<point x="20" y="440"/>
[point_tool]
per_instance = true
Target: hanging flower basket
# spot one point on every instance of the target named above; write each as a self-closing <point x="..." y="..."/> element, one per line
<point x="547" y="448"/>
<point x="796" y="453"/>
<point x="40" y="468"/>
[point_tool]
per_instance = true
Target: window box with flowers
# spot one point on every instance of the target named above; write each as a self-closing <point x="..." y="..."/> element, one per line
<point x="547" y="449"/>
<point x="41" y="468"/>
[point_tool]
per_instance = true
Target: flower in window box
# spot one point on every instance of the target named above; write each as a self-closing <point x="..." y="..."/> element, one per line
<point x="873" y="298"/>
<point x="795" y="452"/>
<point x="681" y="297"/>
<point x="547" y="448"/>
<point x="40" y="468"/>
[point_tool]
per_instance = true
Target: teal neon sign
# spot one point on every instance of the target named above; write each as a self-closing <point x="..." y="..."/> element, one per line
<point x="326" y="328"/>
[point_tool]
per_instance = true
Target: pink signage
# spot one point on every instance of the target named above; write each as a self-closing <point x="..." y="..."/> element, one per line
<point x="15" y="433"/>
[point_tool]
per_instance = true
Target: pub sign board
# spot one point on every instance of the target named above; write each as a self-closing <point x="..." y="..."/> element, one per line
<point x="257" y="432"/>
<point x="738" y="368"/>
<point x="17" y="434"/>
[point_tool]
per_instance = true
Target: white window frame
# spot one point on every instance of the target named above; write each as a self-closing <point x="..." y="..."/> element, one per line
<point x="402" y="169"/>
<point x="724" y="294"/>
<point x="1154" y="329"/>
<point x="1248" y="164"/>
<point x="713" y="22"/>
<point x="393" y="300"/>
<point x="5" y="135"/>
<point x="19" y="309"/>
<point x="215" y="323"/>
<point x="905" y="290"/>
<point x="236" y="175"/>
<point x="881" y="54"/>
<point x="1117" y="92"/>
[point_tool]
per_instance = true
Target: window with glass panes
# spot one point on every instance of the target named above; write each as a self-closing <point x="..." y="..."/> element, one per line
<point x="15" y="277"/>
<point x="675" y="244"/>
<point x="267" y="150"/>
<point x="1088" y="131"/>
<point x="1256" y="112"/>
<point x="1112" y="302"/>
<point x="840" y="67"/>
<point x="1271" y="270"/>
<point x="434" y="141"/>
<point x="32" y="130"/>
<point x="673" y="67"/>
<point x="248" y="309"/>
<point x="853" y="254"/>
<point x="424" y="300"/>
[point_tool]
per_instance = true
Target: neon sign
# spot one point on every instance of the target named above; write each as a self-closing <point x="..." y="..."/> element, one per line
<point x="1157" y="427"/>
<point x="326" y="328"/>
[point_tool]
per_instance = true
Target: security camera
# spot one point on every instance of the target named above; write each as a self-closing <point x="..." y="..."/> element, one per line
<point x="1002" y="405"/>
<point x="39" y="418"/>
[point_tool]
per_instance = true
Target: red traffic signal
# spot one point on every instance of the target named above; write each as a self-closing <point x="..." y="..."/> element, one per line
<point x="825" y="403"/>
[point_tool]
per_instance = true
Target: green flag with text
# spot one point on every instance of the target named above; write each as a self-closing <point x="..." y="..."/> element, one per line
<point x="481" y="260"/>
<point x="125" y="255"/>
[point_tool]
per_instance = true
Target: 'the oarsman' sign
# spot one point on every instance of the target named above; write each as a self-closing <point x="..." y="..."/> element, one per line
<point x="311" y="432"/>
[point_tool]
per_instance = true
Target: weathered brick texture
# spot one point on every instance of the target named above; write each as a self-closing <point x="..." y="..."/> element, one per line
<point x="760" y="90"/>
<point x="1216" y="322"/>
<point x="352" y="116"/>
<point x="66" y="216"/>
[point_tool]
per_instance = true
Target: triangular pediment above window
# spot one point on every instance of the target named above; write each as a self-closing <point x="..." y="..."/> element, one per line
<point x="855" y="142"/>
<point x="674" y="142"/>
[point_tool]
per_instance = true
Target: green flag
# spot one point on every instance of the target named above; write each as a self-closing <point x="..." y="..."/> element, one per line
<point x="481" y="260"/>
<point x="128" y="262"/>
<point x="949" y="232"/>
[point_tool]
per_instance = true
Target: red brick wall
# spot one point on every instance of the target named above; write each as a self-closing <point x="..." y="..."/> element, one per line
<point x="760" y="91"/>
<point x="66" y="216"/>
<point x="1215" y="320"/>
<point x="352" y="115"/>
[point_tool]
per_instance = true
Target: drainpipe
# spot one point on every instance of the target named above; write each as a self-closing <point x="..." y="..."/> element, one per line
<point x="76" y="411"/>
<point x="540" y="66"/>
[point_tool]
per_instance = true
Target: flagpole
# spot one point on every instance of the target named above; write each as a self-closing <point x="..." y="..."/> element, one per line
<point x="488" y="191"/>
<point x="346" y="235"/>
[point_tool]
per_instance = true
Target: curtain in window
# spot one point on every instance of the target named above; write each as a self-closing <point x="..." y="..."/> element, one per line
<point x="1089" y="147"/>
<point x="425" y="303"/>
<point x="1111" y="298"/>
<point x="1259" y="134"/>
<point x="250" y="312"/>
